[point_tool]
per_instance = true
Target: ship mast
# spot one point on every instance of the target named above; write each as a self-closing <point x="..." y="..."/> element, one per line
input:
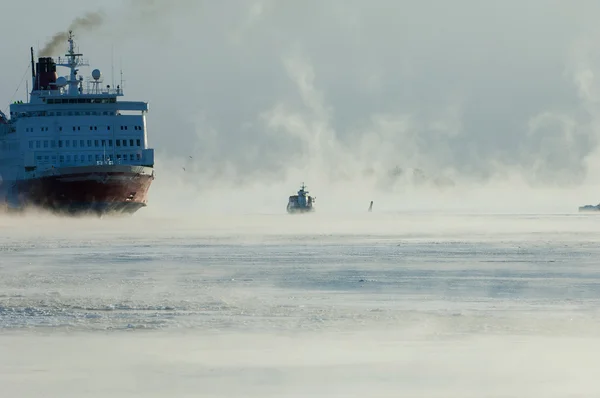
<point x="72" y="62"/>
<point x="32" y="71"/>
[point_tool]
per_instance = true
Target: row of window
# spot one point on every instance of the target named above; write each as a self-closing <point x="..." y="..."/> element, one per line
<point x="82" y="143"/>
<point x="69" y="113"/>
<point x="78" y="128"/>
<point x="81" y="100"/>
<point x="83" y="159"/>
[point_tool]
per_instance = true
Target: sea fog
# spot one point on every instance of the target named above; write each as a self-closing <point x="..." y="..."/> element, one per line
<point x="473" y="276"/>
<point x="345" y="303"/>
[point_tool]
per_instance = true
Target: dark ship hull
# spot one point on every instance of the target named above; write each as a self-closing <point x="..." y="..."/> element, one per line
<point x="100" y="190"/>
<point x="589" y="208"/>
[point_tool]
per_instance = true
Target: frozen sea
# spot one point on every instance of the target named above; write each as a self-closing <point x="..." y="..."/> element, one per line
<point x="362" y="305"/>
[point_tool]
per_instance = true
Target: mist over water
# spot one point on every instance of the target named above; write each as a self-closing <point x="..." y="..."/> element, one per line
<point x="474" y="131"/>
<point x="344" y="303"/>
<point x="477" y="290"/>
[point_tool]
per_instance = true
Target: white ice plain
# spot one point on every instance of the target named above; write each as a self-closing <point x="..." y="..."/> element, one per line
<point x="354" y="305"/>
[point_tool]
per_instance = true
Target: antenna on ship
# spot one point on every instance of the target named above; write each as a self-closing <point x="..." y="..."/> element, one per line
<point x="71" y="56"/>
<point x="32" y="70"/>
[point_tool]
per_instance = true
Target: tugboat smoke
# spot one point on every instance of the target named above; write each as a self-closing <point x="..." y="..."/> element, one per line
<point x="88" y="21"/>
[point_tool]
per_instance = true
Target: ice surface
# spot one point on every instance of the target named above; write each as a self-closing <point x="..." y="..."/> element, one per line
<point x="373" y="305"/>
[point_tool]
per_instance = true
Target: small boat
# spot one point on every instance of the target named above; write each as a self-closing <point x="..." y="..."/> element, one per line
<point x="588" y="208"/>
<point x="301" y="203"/>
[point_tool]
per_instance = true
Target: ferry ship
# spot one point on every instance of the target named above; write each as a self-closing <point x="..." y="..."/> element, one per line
<point x="72" y="149"/>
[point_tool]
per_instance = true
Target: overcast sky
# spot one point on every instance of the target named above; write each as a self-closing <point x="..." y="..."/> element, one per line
<point x="259" y="88"/>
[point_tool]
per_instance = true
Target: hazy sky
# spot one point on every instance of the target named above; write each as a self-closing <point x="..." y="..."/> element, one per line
<point x="260" y="88"/>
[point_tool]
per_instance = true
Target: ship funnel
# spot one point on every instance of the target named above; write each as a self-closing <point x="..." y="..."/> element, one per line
<point x="45" y="75"/>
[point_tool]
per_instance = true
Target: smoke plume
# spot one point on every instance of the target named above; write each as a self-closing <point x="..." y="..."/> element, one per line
<point x="88" y="21"/>
<point x="144" y="10"/>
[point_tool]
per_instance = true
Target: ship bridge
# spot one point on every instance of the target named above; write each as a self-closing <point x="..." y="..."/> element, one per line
<point x="76" y="106"/>
<point x="52" y="95"/>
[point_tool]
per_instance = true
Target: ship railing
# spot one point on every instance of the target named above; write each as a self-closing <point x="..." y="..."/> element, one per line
<point x="110" y="162"/>
<point x="84" y="91"/>
<point x="102" y="91"/>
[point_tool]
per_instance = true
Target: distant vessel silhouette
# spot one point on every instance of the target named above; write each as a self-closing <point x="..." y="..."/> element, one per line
<point x="301" y="203"/>
<point x="589" y="208"/>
